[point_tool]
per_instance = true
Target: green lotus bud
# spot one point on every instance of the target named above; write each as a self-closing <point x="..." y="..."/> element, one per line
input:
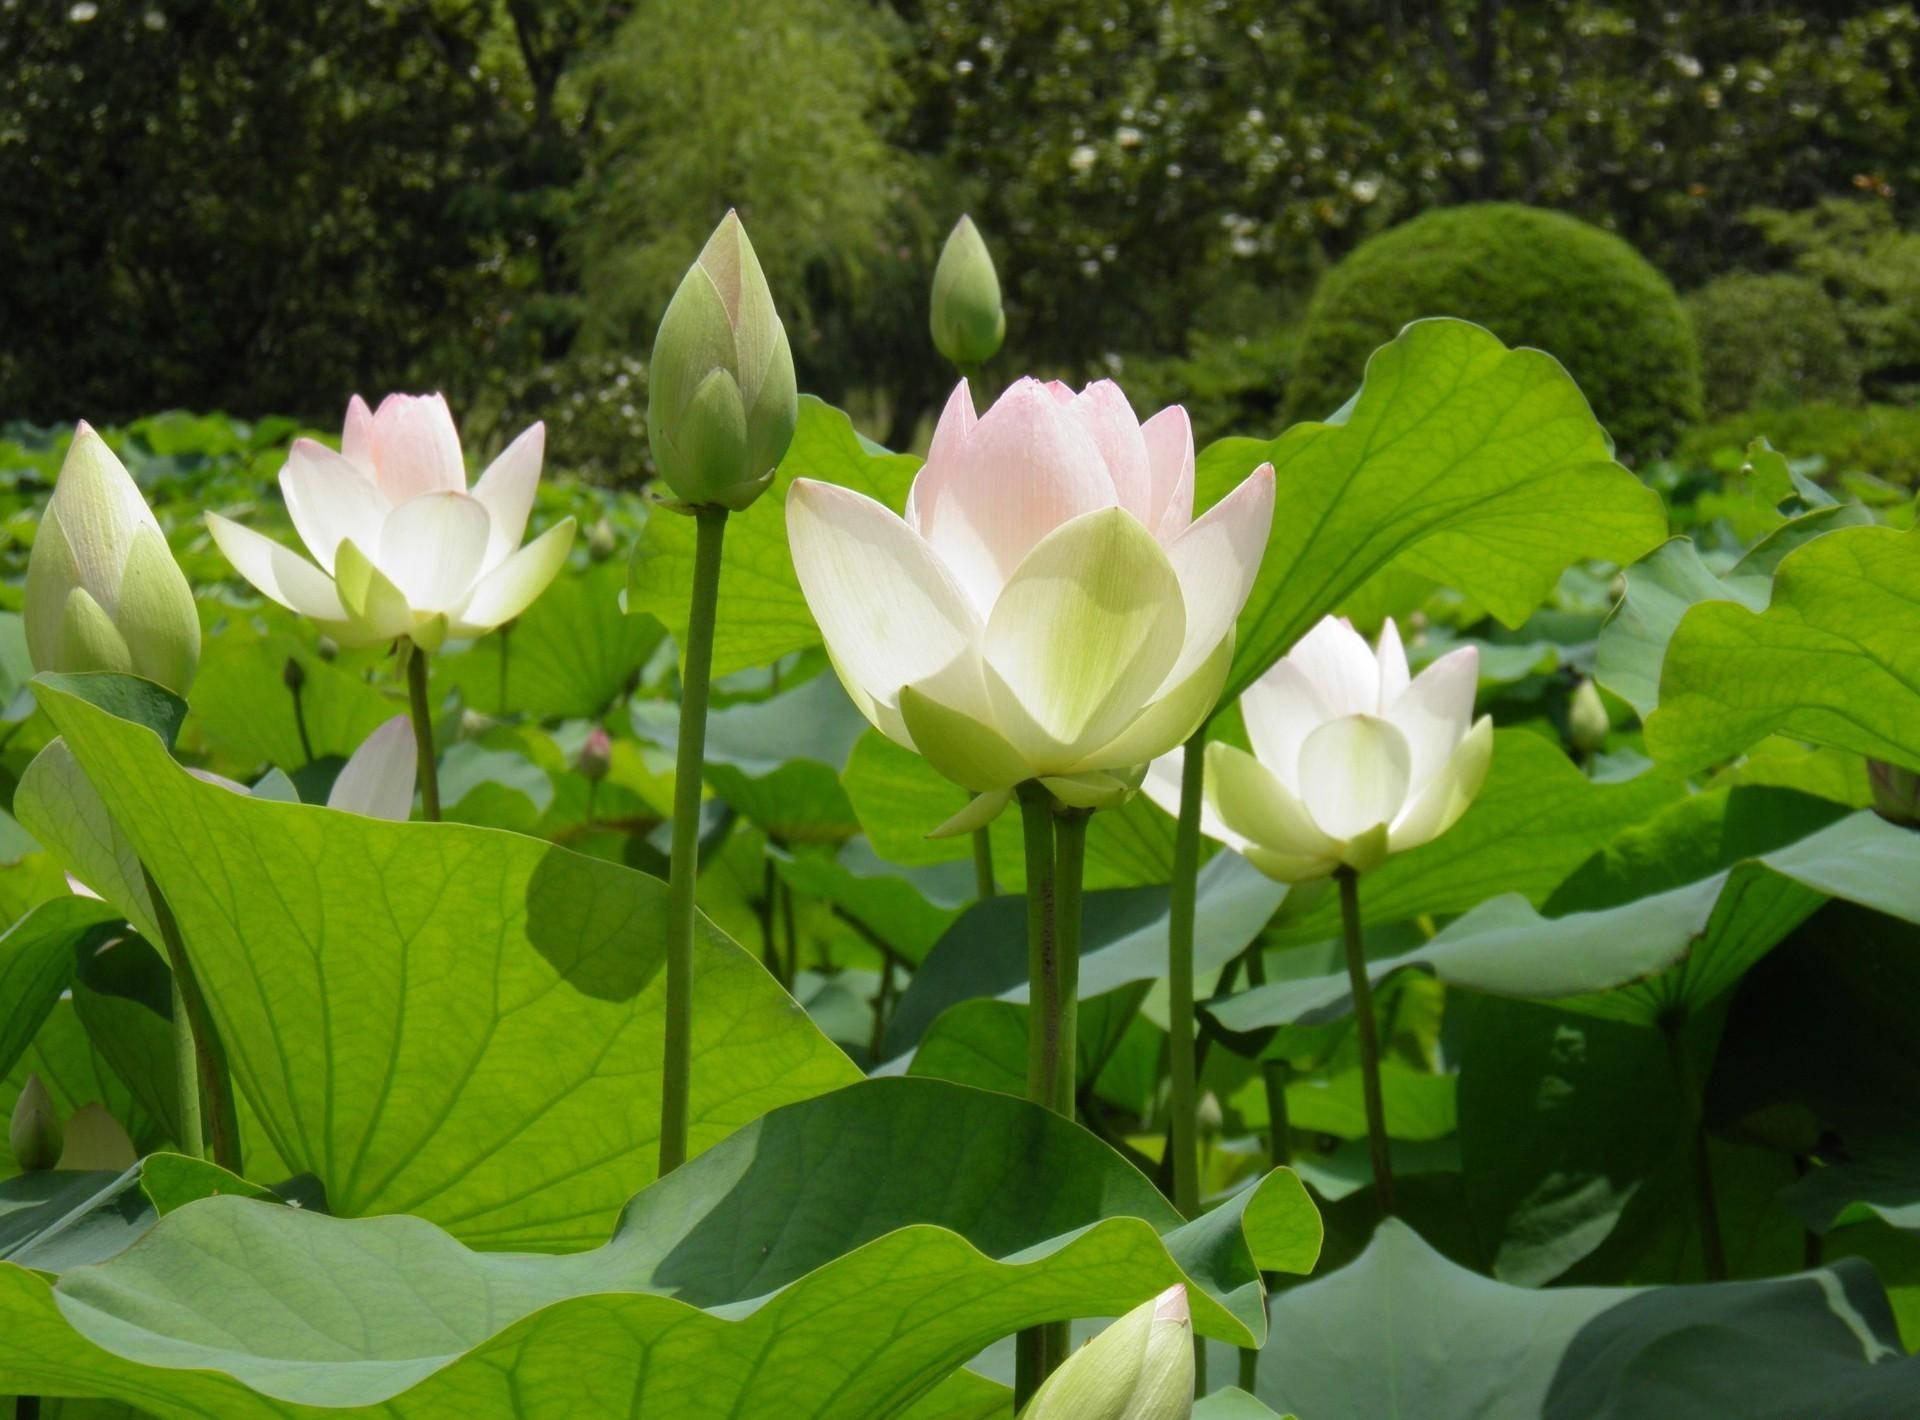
<point x="721" y="402"/>
<point x="1140" y="1368"/>
<point x="967" y="318"/>
<point x="326" y="648"/>
<point x="1587" y="719"/>
<point x="1896" y="792"/>
<point x="96" y="1140"/>
<point x="35" y="1135"/>
<point x="1208" y="1118"/>
<point x="103" y="591"/>
<point x="600" y="541"/>
<point x="293" y="675"/>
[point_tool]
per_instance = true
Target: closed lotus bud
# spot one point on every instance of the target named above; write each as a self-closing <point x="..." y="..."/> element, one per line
<point x="967" y="318"/>
<point x="721" y="401"/>
<point x="35" y="1135"/>
<point x="1207" y="1115"/>
<point x="1587" y="719"/>
<point x="326" y="648"/>
<point x="1896" y="792"/>
<point x="293" y="675"/>
<point x="600" y="541"/>
<point x="96" y="1140"/>
<point x="596" y="755"/>
<point x="103" y="591"/>
<point x="1139" y="1368"/>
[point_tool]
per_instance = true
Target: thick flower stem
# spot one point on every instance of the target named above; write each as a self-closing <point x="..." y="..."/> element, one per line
<point x="1369" y="1029"/>
<point x="206" y="1089"/>
<point x="1069" y="872"/>
<point x="982" y="865"/>
<point x="1040" y="1349"/>
<point x="1180" y="916"/>
<point x="1693" y="1104"/>
<point x="422" y="712"/>
<point x="684" y="867"/>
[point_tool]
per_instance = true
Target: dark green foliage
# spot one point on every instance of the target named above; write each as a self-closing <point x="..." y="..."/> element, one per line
<point x="1530" y="276"/>
<point x="1230" y="384"/>
<point x="1879" y="439"/>
<point x="1770" y="340"/>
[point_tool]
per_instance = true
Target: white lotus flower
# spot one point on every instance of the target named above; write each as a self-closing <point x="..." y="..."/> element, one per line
<point x="377" y="779"/>
<point x="402" y="546"/>
<point x="1048" y="608"/>
<point x="1351" y="761"/>
<point x="1139" y="1368"/>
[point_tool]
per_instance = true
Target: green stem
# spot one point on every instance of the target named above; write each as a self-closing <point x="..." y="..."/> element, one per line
<point x="26" y="1407"/>
<point x="684" y="867"/>
<point x="1069" y="873"/>
<point x="790" y="932"/>
<point x="1274" y="1076"/>
<point x="983" y="887"/>
<point x="1673" y="1026"/>
<point x="1183" y="896"/>
<point x="206" y="1089"/>
<point x="769" y="945"/>
<point x="1039" y="1349"/>
<point x="427" y="765"/>
<point x="506" y="639"/>
<point x="300" y="723"/>
<point x="1362" y="988"/>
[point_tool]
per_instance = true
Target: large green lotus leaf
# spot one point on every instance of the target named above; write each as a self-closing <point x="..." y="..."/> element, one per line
<point x="36" y="963"/>
<point x="63" y="810"/>
<point x="1536" y="820"/>
<point x="900" y="799"/>
<point x="835" y="1258"/>
<point x="243" y="710"/>
<point x="570" y="654"/>
<point x="983" y="1042"/>
<point x="1664" y="584"/>
<point x="441" y="1019"/>
<point x="763" y="616"/>
<point x="63" y="1218"/>
<point x="1461" y="460"/>
<point x="1123" y="940"/>
<point x="1402" y="1332"/>
<point x="1667" y="951"/>
<point x="1233" y="1404"/>
<point x="1833" y="659"/>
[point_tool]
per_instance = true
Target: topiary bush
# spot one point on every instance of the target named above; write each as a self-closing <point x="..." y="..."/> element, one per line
<point x="1770" y="340"/>
<point x="1530" y="276"/>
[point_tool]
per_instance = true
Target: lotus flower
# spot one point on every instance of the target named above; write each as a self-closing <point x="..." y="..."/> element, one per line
<point x="1048" y="608"/>
<point x="1139" y="1368"/>
<point x="1351" y="760"/>
<point x="103" y="591"/>
<point x="402" y="547"/>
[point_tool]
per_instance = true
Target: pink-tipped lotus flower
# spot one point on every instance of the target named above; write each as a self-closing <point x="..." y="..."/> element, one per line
<point x="402" y="546"/>
<point x="1048" y="608"/>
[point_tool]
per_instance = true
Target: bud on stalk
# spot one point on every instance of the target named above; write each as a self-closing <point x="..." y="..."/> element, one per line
<point x="35" y="1135"/>
<point x="967" y="319"/>
<point x="1140" y="1368"/>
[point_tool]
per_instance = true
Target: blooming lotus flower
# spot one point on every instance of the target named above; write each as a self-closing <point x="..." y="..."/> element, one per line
<point x="103" y="591"/>
<point x="1048" y="608"/>
<point x="402" y="546"/>
<point x="1139" y="1368"/>
<point x="1351" y="760"/>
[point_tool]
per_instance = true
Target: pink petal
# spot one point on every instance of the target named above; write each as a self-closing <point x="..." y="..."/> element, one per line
<point x="506" y="491"/>
<point x="1216" y="561"/>
<point x="356" y="439"/>
<point x="416" y="448"/>
<point x="943" y="456"/>
<point x="330" y="499"/>
<point x="1169" y="440"/>
<point x="1109" y="420"/>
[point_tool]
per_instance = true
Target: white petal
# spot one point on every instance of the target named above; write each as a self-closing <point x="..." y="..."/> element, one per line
<point x="1082" y="637"/>
<point x="1110" y="422"/>
<point x="1171" y="719"/>
<point x="1353" y="774"/>
<point x="1435" y="711"/>
<point x="510" y="588"/>
<point x="378" y="779"/>
<point x="1281" y="709"/>
<point x="330" y="500"/>
<point x="1341" y="666"/>
<point x="1438" y="806"/>
<point x="284" y="576"/>
<point x="1391" y="656"/>
<point x="1258" y="808"/>
<point x="943" y="455"/>
<point x="1027" y="467"/>
<point x="356" y="437"/>
<point x="432" y="547"/>
<point x="1216" y="561"/>
<point x="506" y="491"/>
<point x="1162" y="785"/>
<point x="416" y="449"/>
<point x="888" y="610"/>
<point x="1169" y="440"/>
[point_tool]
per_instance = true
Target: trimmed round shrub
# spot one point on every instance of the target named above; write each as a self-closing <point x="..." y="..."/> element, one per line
<point x="1770" y="340"/>
<point x="1530" y="276"/>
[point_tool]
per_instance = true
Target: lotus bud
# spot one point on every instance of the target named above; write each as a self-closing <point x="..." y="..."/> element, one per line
<point x="967" y="318"/>
<point x="326" y="648"/>
<point x="1896" y="792"/>
<point x="1208" y="1117"/>
<point x="103" y="591"/>
<point x="293" y="675"/>
<point x="1587" y="719"/>
<point x="96" y="1140"/>
<point x="596" y="755"/>
<point x="721" y="401"/>
<point x="600" y="541"/>
<point x="1139" y="1368"/>
<point x="35" y="1135"/>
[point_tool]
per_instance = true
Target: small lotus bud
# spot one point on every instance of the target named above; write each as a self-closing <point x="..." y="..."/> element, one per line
<point x="1587" y="719"/>
<point x="1139" y="1368"/>
<point x="1896" y="792"/>
<point x="95" y="1140"/>
<point x="596" y="755"/>
<point x="1207" y="1116"/>
<point x="600" y="541"/>
<point x="293" y="675"/>
<point x="721" y="401"/>
<point x="475" y="723"/>
<point x="103" y="591"/>
<point x="967" y="318"/>
<point x="35" y="1135"/>
<point x="326" y="648"/>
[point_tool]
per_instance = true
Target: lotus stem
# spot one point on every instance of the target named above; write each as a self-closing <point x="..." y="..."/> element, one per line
<point x="422" y="714"/>
<point x="1673" y="1026"/>
<point x="1362" y="989"/>
<point x="684" y="867"/>
<point x="983" y="885"/>
<point x="1040" y="1349"/>
<point x="206" y="1089"/>
<point x="1182" y="898"/>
